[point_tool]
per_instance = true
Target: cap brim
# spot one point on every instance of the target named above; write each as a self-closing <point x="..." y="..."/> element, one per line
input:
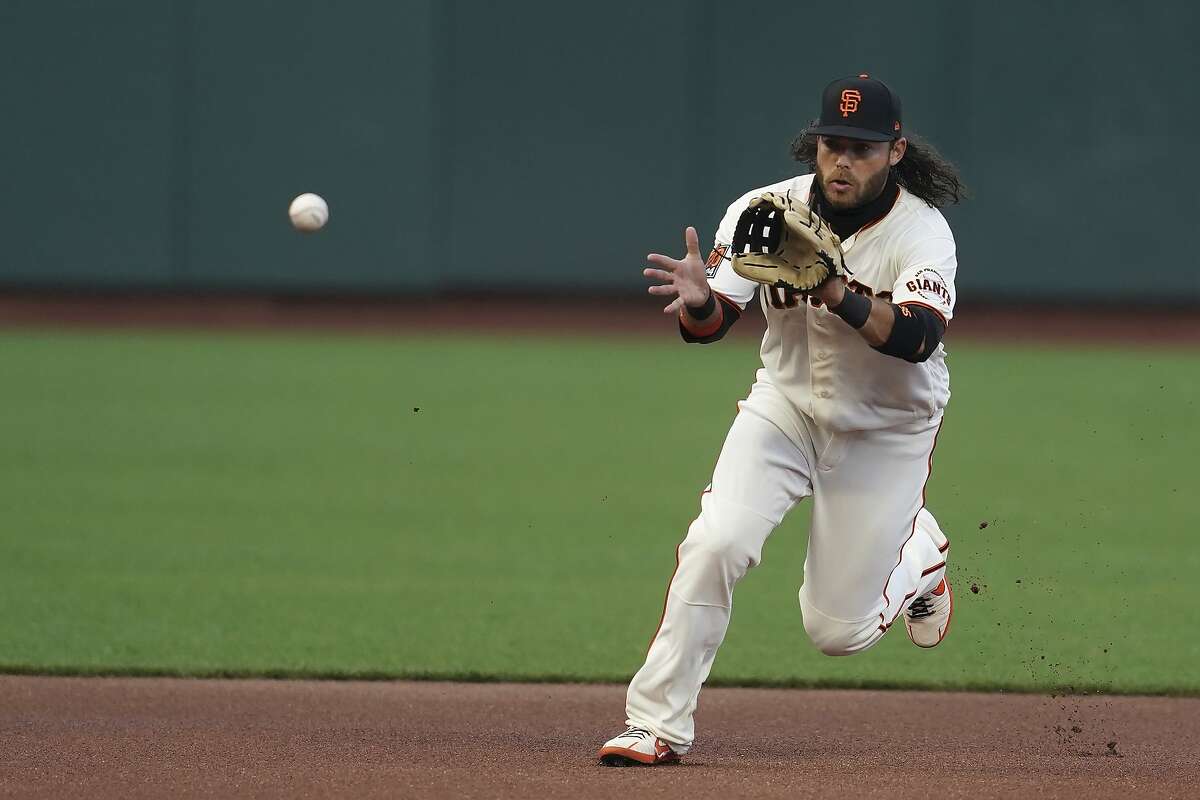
<point x="848" y="132"/>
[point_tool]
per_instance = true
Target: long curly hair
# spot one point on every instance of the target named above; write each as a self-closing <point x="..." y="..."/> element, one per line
<point x="923" y="171"/>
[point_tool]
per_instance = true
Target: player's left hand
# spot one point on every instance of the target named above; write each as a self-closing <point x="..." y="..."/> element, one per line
<point x="683" y="278"/>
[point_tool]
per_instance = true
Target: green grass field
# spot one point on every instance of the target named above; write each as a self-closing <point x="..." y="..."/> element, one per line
<point x="268" y="504"/>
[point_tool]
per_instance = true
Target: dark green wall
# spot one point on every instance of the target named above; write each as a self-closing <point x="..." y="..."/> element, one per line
<point x="548" y="144"/>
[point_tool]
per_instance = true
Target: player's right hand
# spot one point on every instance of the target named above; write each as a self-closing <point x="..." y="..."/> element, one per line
<point x="684" y="279"/>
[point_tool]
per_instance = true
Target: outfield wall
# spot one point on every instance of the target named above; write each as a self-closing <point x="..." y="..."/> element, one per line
<point x="156" y="143"/>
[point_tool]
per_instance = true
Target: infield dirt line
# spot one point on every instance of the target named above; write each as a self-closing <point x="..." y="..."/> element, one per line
<point x="154" y="737"/>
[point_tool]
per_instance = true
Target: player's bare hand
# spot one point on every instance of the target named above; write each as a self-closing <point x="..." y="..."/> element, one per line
<point x="683" y="279"/>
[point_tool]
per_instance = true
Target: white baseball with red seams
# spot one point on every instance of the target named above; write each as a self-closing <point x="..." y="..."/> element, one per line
<point x="827" y="417"/>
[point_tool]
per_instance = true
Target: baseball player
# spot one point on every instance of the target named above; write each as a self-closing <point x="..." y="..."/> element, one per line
<point x="854" y="268"/>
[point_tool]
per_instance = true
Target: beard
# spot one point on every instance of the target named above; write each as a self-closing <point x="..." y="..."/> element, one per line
<point x="866" y="191"/>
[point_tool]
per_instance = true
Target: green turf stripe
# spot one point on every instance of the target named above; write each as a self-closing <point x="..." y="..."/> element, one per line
<point x="201" y="504"/>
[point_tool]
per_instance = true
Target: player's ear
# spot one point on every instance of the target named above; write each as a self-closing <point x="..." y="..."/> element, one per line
<point x="899" y="148"/>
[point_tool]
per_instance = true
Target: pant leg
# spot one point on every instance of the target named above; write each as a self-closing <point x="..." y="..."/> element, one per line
<point x="872" y="547"/>
<point x="760" y="475"/>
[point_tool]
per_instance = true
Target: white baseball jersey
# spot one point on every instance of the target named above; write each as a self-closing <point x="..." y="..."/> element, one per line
<point x="828" y="418"/>
<point x="819" y="362"/>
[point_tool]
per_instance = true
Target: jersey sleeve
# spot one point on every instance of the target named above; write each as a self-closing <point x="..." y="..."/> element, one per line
<point x="719" y="267"/>
<point x="927" y="277"/>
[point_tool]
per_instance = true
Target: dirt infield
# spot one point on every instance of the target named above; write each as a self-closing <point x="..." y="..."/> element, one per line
<point x="99" y="737"/>
<point x="590" y="316"/>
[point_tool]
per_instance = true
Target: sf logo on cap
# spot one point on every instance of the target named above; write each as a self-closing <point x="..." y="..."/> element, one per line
<point x="850" y="100"/>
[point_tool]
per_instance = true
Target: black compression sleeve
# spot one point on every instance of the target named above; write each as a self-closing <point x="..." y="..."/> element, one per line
<point x="916" y="333"/>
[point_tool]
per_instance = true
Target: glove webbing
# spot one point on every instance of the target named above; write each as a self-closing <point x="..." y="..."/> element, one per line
<point x="757" y="232"/>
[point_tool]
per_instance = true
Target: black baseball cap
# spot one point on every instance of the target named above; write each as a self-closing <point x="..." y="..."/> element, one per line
<point x="859" y="108"/>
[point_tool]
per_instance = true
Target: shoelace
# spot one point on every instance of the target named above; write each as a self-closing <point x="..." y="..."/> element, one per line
<point x="635" y="733"/>
<point x="920" y="608"/>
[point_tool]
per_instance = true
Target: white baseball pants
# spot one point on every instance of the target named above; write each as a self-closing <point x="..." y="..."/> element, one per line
<point x="872" y="546"/>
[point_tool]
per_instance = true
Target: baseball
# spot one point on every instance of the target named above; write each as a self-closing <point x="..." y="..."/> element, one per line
<point x="309" y="212"/>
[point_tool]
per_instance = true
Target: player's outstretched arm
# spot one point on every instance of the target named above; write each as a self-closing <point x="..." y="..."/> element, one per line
<point x="704" y="315"/>
<point x="682" y="279"/>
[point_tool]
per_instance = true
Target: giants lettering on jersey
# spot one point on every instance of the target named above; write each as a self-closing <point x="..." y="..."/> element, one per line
<point x="783" y="299"/>
<point x="930" y="285"/>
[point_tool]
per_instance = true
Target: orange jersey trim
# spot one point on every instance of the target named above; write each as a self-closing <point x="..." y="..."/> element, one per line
<point x="714" y="323"/>
<point x="883" y="622"/>
<point x="667" y="596"/>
